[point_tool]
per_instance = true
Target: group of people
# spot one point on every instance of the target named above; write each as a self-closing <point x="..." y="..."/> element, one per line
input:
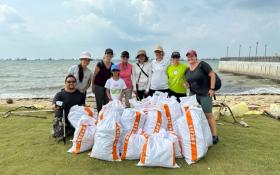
<point x="111" y="81"/>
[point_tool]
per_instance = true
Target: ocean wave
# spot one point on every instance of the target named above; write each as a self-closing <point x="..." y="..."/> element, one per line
<point x="258" y="91"/>
<point x="34" y="89"/>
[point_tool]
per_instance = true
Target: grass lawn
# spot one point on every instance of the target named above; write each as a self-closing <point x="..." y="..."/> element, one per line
<point x="27" y="148"/>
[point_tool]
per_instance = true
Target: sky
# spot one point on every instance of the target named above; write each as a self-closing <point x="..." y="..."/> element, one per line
<point x="65" y="28"/>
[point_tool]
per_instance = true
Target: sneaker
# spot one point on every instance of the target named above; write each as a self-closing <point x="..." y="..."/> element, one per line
<point x="215" y="140"/>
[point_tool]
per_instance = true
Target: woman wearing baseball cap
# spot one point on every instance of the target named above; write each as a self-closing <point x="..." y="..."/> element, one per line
<point x="82" y="73"/>
<point x="141" y="75"/>
<point x="126" y="75"/>
<point x="176" y="76"/>
<point x="102" y="73"/>
<point x="201" y="82"/>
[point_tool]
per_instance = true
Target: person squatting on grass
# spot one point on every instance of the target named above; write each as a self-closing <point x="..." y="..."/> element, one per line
<point x="82" y="73"/>
<point x="102" y="73"/>
<point x="141" y="75"/>
<point x="126" y="75"/>
<point x="201" y="82"/>
<point x="70" y="96"/>
<point x="115" y="86"/>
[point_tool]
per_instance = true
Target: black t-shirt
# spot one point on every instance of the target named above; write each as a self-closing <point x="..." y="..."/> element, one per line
<point x="199" y="79"/>
<point x="103" y="75"/>
<point x="69" y="100"/>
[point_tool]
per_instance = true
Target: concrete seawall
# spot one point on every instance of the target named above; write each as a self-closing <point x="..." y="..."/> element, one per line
<point x="263" y="67"/>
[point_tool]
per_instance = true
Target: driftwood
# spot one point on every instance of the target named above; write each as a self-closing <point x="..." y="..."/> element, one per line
<point x="223" y="105"/>
<point x="25" y="113"/>
<point x="271" y="115"/>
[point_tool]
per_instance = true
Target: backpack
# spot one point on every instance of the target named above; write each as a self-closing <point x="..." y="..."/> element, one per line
<point x="218" y="81"/>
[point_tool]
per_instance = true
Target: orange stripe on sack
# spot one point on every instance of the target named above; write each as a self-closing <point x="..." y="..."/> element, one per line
<point x="192" y="134"/>
<point x="80" y="137"/>
<point x="144" y="134"/>
<point x="136" y="122"/>
<point x="100" y="117"/>
<point x="174" y="154"/>
<point x="144" y="151"/>
<point x="125" y="147"/>
<point x="169" y="118"/>
<point x="158" y="123"/>
<point x="88" y="111"/>
<point x="117" y="137"/>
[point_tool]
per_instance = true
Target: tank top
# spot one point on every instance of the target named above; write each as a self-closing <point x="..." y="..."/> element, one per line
<point x="103" y="75"/>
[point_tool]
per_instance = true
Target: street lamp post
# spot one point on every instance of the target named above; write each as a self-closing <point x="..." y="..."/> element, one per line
<point x="257" y="43"/>
<point x="265" y="50"/>
<point x="227" y="50"/>
<point x="239" y="50"/>
<point x="250" y="47"/>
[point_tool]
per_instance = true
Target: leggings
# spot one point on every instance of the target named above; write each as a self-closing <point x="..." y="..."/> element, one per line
<point x="100" y="96"/>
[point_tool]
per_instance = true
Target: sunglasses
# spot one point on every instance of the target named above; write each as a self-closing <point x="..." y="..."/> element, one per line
<point x="70" y="82"/>
<point x="190" y="55"/>
<point x="176" y="57"/>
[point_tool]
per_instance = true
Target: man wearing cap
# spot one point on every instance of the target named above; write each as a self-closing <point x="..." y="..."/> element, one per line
<point x="176" y="76"/>
<point x="82" y="73"/>
<point x="102" y="73"/>
<point x="159" y="80"/>
<point x="141" y="75"/>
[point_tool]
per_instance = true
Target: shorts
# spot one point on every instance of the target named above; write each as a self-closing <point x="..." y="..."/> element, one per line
<point x="206" y="102"/>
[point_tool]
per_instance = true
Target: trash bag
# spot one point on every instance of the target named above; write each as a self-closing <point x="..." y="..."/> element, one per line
<point x="133" y="144"/>
<point x="107" y="137"/>
<point x="159" y="150"/>
<point x="115" y="106"/>
<point x="154" y="121"/>
<point x="172" y="110"/>
<point x="132" y="119"/>
<point x="84" y="135"/>
<point x="191" y="134"/>
<point x="76" y="112"/>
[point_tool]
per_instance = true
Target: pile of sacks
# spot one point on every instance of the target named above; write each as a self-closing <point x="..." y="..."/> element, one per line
<point x="155" y="131"/>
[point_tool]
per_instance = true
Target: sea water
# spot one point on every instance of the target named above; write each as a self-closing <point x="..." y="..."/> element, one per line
<point x="43" y="78"/>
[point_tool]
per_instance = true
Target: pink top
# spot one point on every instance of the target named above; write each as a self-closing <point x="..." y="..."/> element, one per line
<point x="125" y="74"/>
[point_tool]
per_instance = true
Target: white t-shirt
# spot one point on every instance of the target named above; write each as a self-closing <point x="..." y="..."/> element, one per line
<point x="159" y="79"/>
<point x="115" y="87"/>
<point x="74" y="70"/>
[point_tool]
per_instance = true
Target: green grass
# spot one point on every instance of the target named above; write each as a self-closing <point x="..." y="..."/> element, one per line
<point x="27" y="148"/>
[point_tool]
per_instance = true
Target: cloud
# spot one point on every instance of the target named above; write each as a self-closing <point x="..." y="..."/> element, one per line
<point x="10" y="21"/>
<point x="9" y="15"/>
<point x="208" y="26"/>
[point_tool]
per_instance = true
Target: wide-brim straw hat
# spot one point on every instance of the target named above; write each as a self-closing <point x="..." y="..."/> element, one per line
<point x="141" y="52"/>
<point x="158" y="48"/>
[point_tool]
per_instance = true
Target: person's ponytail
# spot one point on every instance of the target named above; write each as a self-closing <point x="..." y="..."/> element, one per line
<point x="81" y="72"/>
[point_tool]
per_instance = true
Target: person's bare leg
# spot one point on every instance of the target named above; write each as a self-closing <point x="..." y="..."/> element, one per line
<point x="212" y="123"/>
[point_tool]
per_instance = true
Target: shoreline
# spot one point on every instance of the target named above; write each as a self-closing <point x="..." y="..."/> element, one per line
<point x="262" y="101"/>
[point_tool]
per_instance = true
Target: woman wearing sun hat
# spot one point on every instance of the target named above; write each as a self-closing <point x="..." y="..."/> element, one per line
<point x="102" y="73"/>
<point x="176" y="76"/>
<point x="201" y="82"/>
<point x="82" y="73"/>
<point x="141" y="75"/>
<point x="159" y="80"/>
<point x="126" y="75"/>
